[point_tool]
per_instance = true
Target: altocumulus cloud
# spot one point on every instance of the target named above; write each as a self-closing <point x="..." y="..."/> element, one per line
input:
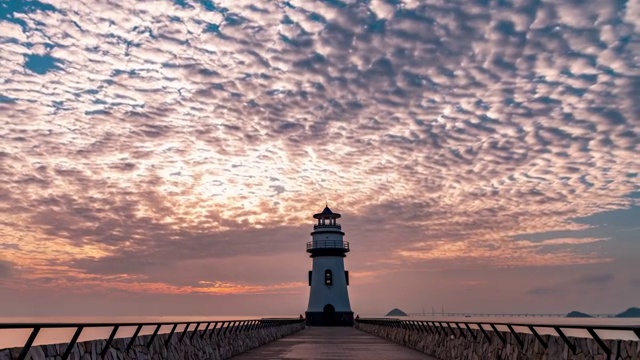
<point x="589" y="282"/>
<point x="186" y="130"/>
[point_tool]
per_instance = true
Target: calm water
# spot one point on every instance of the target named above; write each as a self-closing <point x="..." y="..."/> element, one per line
<point x="16" y="338"/>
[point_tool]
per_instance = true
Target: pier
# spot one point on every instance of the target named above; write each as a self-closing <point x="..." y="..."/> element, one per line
<point x="333" y="343"/>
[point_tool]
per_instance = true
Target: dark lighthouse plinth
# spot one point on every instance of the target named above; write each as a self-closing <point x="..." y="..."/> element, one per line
<point x="328" y="299"/>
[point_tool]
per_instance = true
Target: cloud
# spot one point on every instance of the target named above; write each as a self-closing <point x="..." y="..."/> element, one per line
<point x="141" y="135"/>
<point x="552" y="252"/>
<point x="589" y="282"/>
<point x="6" y="269"/>
<point x="595" y="279"/>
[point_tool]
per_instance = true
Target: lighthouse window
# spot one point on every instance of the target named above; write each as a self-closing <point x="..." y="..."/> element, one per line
<point x="328" y="277"/>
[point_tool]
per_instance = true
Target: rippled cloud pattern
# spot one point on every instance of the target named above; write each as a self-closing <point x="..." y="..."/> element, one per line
<point x="141" y="134"/>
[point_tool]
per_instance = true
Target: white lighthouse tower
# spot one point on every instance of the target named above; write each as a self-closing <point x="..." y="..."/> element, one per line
<point x="329" y="299"/>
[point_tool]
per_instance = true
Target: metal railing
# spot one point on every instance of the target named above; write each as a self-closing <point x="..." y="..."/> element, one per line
<point x="315" y="227"/>
<point x="445" y="327"/>
<point x="328" y="244"/>
<point x="433" y="313"/>
<point x="211" y="329"/>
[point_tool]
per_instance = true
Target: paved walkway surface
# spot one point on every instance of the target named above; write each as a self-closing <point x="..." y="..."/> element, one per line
<point x="333" y="343"/>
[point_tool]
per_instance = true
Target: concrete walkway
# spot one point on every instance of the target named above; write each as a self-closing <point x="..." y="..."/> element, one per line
<point x="333" y="343"/>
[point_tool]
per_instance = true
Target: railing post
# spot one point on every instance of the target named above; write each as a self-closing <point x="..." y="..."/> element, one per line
<point x="498" y="334"/>
<point x="238" y="327"/>
<point x="443" y="328"/>
<point x="484" y="332"/>
<point x="153" y="336"/>
<point x="72" y="343"/>
<point x="108" y="343"/>
<point x="538" y="337"/>
<point x="473" y="335"/>
<point x="224" y="329"/>
<point x="194" y="331"/>
<point x="566" y="340"/>
<point x="213" y="330"/>
<point x="204" y="332"/>
<point x="602" y="345"/>
<point x="516" y="336"/>
<point x="425" y="325"/>
<point x="173" y="330"/>
<point x="27" y="345"/>
<point x="453" y="332"/>
<point x="135" y="335"/>
<point x="184" y="332"/>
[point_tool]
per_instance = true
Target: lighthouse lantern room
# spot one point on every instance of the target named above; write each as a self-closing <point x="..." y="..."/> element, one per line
<point x="328" y="299"/>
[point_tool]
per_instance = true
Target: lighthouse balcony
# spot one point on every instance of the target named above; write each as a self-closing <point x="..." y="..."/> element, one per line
<point x="336" y="226"/>
<point x="328" y="244"/>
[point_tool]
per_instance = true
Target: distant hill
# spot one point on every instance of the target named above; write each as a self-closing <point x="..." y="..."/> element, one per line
<point x="578" y="314"/>
<point x="631" y="312"/>
<point x="396" y="312"/>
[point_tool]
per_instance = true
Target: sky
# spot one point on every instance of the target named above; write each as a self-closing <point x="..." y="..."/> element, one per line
<point x="166" y="157"/>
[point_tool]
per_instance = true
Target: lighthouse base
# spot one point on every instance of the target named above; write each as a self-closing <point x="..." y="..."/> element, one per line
<point x="338" y="318"/>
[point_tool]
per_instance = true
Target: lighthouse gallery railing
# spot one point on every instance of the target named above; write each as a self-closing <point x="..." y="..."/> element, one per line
<point x="327" y="244"/>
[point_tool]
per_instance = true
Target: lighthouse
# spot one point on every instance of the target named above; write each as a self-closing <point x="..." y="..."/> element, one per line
<point x="328" y="299"/>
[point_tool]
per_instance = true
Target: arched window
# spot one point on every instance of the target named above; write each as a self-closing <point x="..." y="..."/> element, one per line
<point x="328" y="277"/>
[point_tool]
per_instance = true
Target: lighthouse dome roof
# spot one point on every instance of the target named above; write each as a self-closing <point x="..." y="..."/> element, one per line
<point x="326" y="213"/>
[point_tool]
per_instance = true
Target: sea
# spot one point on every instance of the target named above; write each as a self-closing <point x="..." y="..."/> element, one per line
<point x="17" y="337"/>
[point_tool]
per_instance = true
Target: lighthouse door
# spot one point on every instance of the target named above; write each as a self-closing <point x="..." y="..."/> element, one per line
<point x="329" y="314"/>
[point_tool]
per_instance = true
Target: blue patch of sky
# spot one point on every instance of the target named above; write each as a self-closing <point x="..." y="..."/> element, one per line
<point x="120" y="72"/>
<point x="211" y="6"/>
<point x="286" y="20"/>
<point x="6" y="100"/>
<point x="42" y="64"/>
<point x="620" y="225"/>
<point x="317" y="18"/>
<point x="377" y="27"/>
<point x="11" y="7"/>
<point x="91" y="91"/>
<point x="98" y="101"/>
<point x="233" y="20"/>
<point x="212" y="28"/>
<point x="96" y="112"/>
<point x="335" y="3"/>
<point x="183" y="3"/>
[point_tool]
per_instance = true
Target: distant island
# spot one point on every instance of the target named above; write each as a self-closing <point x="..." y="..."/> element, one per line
<point x="396" y="312"/>
<point x="631" y="312"/>
<point x="578" y="314"/>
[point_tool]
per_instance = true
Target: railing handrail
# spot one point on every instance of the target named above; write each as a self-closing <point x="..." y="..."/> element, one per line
<point x="567" y="326"/>
<point x="504" y="314"/>
<point x="58" y="325"/>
